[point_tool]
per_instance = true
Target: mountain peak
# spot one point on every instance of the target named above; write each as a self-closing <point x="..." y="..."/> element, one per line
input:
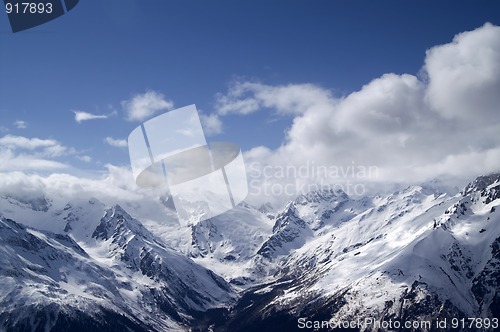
<point x="322" y="195"/>
<point x="114" y="222"/>
<point x="117" y="209"/>
<point x="481" y="183"/>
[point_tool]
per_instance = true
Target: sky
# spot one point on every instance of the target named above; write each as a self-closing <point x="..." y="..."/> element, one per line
<point x="409" y="88"/>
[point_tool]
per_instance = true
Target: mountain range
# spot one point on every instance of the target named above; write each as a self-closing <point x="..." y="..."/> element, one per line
<point x="416" y="255"/>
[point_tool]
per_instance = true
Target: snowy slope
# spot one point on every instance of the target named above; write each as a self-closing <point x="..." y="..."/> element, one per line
<point x="309" y="216"/>
<point x="122" y="271"/>
<point x="415" y="254"/>
<point x="418" y="253"/>
<point x="124" y="242"/>
<point x="226" y="244"/>
<point x="49" y="281"/>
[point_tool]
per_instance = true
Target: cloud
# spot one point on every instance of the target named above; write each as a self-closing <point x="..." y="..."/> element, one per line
<point x="19" y="124"/>
<point x="85" y="158"/>
<point x="23" y="153"/>
<point x="248" y="97"/>
<point x="11" y="162"/>
<point x="409" y="128"/>
<point x="22" y="142"/>
<point x="118" y="143"/>
<point x="464" y="76"/>
<point x="84" y="116"/>
<point x="143" y="106"/>
<point x="212" y="124"/>
<point x="113" y="187"/>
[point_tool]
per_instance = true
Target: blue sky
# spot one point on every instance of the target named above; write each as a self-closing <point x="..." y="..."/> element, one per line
<point x="102" y="54"/>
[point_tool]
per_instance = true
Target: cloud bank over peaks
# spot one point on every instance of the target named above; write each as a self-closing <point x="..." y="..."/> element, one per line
<point x="442" y="123"/>
<point x="115" y="186"/>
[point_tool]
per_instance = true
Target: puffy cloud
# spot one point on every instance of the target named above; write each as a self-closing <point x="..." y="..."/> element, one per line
<point x="85" y="158"/>
<point x="117" y="143"/>
<point x="23" y="153"/>
<point x="391" y="103"/>
<point x="9" y="161"/>
<point x="114" y="186"/>
<point x="396" y="128"/>
<point x="143" y="106"/>
<point x="84" y="116"/>
<point x="248" y="97"/>
<point x="212" y="124"/>
<point x="408" y="129"/>
<point x="22" y="142"/>
<point x="19" y="124"/>
<point x="464" y="76"/>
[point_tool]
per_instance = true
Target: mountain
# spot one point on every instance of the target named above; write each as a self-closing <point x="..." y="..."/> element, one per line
<point x="308" y="216"/>
<point x="122" y="278"/>
<point x="49" y="282"/>
<point x="416" y="255"/>
<point x="226" y="244"/>
<point x="180" y="284"/>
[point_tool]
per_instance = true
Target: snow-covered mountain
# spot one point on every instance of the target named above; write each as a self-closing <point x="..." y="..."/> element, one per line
<point x="412" y="256"/>
<point x="122" y="277"/>
<point x="227" y="244"/>
<point x="416" y="254"/>
<point x="307" y="217"/>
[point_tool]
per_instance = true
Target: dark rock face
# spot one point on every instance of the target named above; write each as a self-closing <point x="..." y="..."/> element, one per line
<point x="486" y="286"/>
<point x="175" y="275"/>
<point x="288" y="228"/>
<point x="263" y="308"/>
<point x="46" y="265"/>
<point x="481" y="183"/>
<point x="61" y="319"/>
<point x="258" y="312"/>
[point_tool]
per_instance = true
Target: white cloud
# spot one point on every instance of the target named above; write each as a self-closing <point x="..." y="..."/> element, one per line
<point x="10" y="161"/>
<point x="143" y="106"/>
<point x="85" y="158"/>
<point x="19" y="124"/>
<point x="85" y="116"/>
<point x="212" y="124"/>
<point x="118" y="143"/>
<point x="23" y="153"/>
<point x="410" y="129"/>
<point x="114" y="187"/>
<point x="248" y="97"/>
<point x="464" y="76"/>
<point x="22" y="142"/>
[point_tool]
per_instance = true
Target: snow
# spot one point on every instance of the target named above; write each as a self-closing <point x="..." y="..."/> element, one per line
<point x="373" y="248"/>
